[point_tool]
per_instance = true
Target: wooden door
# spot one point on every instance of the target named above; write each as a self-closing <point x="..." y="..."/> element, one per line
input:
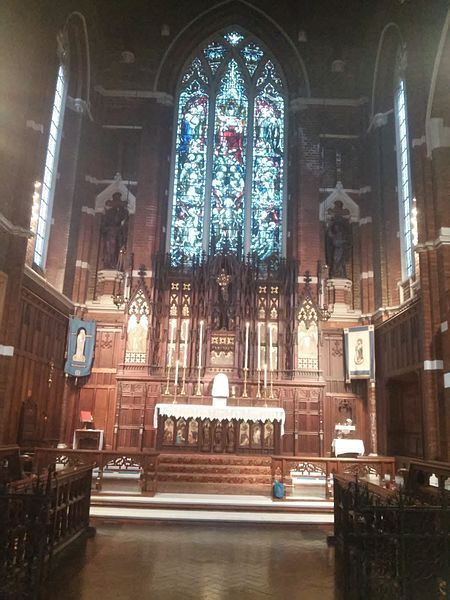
<point x="130" y="416"/>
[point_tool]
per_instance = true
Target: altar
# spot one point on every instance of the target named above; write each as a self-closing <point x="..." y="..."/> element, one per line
<point x="219" y="429"/>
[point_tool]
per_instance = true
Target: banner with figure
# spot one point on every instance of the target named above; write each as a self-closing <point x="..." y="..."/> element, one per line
<point x="359" y="343"/>
<point x="80" y="347"/>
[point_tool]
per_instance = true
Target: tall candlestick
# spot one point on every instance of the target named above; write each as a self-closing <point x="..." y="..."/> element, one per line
<point x="172" y="331"/>
<point x="265" y="376"/>
<point x="200" y="346"/>
<point x="186" y="337"/>
<point x="177" y="364"/>
<point x="247" y="327"/>
<point x="270" y="348"/>
<point x="259" y="346"/>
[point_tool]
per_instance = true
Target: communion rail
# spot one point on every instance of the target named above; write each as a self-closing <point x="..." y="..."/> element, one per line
<point x="103" y="460"/>
<point x="390" y="544"/>
<point x="327" y="468"/>
<point x="38" y="518"/>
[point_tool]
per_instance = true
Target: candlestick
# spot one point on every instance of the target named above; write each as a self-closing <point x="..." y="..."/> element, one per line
<point x="177" y="365"/>
<point x="247" y="328"/>
<point x="270" y="348"/>
<point x="199" y="367"/>
<point x="259" y="346"/>
<point x="186" y="337"/>
<point x="200" y="346"/>
<point x="265" y="376"/>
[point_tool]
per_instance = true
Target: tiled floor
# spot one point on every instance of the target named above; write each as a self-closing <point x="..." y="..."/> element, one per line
<point x="166" y="561"/>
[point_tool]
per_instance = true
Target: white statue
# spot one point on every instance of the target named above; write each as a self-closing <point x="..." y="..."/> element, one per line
<point x="220" y="390"/>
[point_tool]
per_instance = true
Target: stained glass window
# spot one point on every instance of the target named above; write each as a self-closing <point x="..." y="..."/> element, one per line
<point x="404" y="179"/>
<point x="228" y="183"/>
<point x="51" y="165"/>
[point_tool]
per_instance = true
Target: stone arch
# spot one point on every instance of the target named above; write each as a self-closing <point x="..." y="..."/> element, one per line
<point x="226" y="14"/>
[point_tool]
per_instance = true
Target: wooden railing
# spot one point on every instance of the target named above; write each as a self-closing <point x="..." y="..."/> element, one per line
<point x="39" y="516"/>
<point x="389" y="545"/>
<point x="314" y="466"/>
<point x="145" y="462"/>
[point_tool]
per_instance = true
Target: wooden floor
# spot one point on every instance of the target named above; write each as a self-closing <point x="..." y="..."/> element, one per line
<point x="169" y="561"/>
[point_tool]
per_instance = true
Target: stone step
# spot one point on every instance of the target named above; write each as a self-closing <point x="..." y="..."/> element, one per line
<point x="215" y="459"/>
<point x="214" y="468"/>
<point x="215" y="478"/>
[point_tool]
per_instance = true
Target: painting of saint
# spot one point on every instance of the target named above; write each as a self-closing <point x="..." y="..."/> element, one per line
<point x="181" y="432"/>
<point x="168" y="431"/>
<point x="81" y="341"/>
<point x="193" y="433"/>
<point x="256" y="435"/>
<point x="268" y="434"/>
<point x="244" y="434"/>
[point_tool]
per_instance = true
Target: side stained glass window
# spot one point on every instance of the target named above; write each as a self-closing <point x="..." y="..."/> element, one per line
<point x="50" y="170"/>
<point x="228" y="182"/>
<point x="404" y="179"/>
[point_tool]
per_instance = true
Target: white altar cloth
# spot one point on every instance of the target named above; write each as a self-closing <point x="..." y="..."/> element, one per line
<point x="206" y="411"/>
<point x="345" y="446"/>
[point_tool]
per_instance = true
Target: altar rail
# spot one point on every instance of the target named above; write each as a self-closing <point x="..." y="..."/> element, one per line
<point x="326" y="468"/>
<point x="389" y="545"/>
<point x="38" y="518"/>
<point x="146" y="462"/>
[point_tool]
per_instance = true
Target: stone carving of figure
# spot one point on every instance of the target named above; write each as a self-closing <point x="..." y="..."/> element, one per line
<point x="114" y="230"/>
<point x="337" y="247"/>
<point x="218" y="437"/>
<point x="206" y="430"/>
<point x="230" y="437"/>
<point x="79" y="355"/>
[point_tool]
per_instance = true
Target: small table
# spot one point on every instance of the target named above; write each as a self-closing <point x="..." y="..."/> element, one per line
<point x="88" y="439"/>
<point x="347" y="446"/>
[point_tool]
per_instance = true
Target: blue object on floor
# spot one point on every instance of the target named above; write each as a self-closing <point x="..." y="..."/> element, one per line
<point x="278" y="489"/>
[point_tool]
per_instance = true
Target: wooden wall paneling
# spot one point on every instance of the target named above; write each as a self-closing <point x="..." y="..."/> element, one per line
<point x="287" y="401"/>
<point x="130" y="415"/>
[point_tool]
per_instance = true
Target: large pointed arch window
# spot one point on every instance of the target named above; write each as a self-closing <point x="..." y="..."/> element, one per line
<point x="227" y="190"/>
<point x="403" y="172"/>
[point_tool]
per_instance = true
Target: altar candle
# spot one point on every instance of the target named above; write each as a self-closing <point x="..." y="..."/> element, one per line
<point x="270" y="348"/>
<point x="186" y="336"/>
<point x="200" y="346"/>
<point x="177" y="364"/>
<point x="265" y="376"/>
<point x="247" y="327"/>
<point x="259" y="346"/>
<point x="172" y="331"/>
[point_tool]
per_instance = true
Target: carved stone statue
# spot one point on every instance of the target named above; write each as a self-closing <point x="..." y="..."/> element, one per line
<point x="338" y="247"/>
<point x="114" y="230"/>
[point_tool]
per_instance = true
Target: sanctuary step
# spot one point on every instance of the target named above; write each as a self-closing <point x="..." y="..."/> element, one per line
<point x="206" y="468"/>
<point x="215" y="507"/>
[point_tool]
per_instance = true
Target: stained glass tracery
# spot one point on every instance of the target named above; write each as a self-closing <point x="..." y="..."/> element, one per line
<point x="229" y="153"/>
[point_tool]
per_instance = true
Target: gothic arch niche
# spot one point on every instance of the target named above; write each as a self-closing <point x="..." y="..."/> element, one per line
<point x="137" y="328"/>
<point x="229" y="172"/>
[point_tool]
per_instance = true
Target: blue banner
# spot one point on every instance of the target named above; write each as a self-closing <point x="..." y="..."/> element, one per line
<point x="360" y="352"/>
<point x="80" y="347"/>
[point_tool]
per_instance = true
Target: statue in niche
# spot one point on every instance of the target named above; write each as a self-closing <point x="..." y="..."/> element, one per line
<point x="206" y="435"/>
<point x="338" y="240"/>
<point x="223" y="314"/>
<point x="114" y="230"/>
<point x="230" y="437"/>
<point x="218" y="437"/>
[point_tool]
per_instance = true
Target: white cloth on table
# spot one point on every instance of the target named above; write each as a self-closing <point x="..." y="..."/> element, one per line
<point x="222" y="413"/>
<point x="346" y="446"/>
